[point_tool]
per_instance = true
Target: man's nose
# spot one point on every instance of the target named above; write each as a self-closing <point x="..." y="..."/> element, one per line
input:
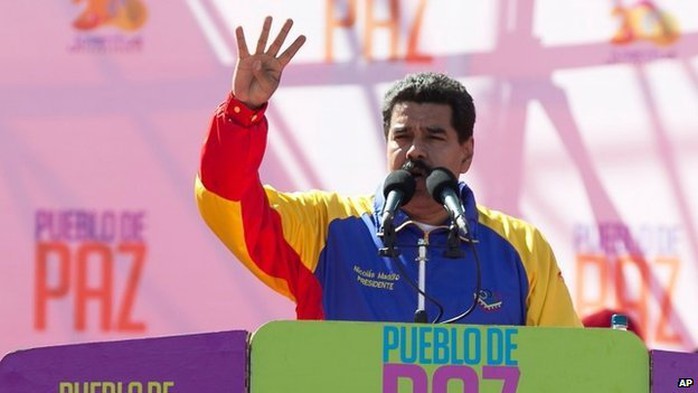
<point x="416" y="151"/>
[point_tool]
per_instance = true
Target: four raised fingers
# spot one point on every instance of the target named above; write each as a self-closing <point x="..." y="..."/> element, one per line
<point x="275" y="46"/>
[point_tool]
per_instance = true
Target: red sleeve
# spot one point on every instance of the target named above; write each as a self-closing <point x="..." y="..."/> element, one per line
<point x="233" y="149"/>
<point x="236" y="206"/>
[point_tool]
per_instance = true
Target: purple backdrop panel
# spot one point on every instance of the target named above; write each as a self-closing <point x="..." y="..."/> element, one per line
<point x="210" y="362"/>
<point x="673" y="371"/>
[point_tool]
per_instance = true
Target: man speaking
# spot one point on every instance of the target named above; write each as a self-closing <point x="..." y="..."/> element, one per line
<point x="421" y="249"/>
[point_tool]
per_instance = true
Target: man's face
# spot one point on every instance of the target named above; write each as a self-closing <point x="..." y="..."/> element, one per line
<point x="423" y="132"/>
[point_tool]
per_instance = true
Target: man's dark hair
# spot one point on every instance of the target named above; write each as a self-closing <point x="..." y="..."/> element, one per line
<point x="431" y="87"/>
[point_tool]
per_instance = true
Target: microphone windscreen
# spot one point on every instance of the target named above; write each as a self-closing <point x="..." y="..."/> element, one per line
<point x="438" y="180"/>
<point x="400" y="180"/>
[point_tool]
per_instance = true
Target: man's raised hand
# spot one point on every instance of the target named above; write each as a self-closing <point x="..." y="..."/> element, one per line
<point x="257" y="75"/>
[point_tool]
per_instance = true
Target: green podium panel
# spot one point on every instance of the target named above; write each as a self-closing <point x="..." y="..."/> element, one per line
<point x="352" y="357"/>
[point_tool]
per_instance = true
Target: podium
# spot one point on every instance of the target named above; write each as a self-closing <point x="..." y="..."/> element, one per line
<point x="330" y="356"/>
<point x="390" y="358"/>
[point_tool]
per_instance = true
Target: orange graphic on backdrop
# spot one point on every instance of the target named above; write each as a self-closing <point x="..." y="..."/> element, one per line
<point x="127" y="15"/>
<point x="644" y="21"/>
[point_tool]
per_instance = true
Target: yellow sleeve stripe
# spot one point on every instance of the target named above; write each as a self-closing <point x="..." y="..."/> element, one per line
<point x="306" y="217"/>
<point x="548" y="302"/>
<point x="224" y="217"/>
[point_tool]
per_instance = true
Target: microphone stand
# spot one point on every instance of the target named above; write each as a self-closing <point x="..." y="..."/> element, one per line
<point x="388" y="236"/>
<point x="420" y="315"/>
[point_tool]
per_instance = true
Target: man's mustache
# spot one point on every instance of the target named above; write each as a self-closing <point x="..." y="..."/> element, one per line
<point x="417" y="167"/>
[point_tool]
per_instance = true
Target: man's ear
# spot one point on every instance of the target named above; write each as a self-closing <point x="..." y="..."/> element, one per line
<point x="468" y="153"/>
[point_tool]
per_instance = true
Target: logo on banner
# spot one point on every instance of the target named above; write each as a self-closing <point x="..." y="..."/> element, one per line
<point x="128" y="15"/>
<point x="640" y="22"/>
<point x="431" y="356"/>
<point x="88" y="267"/>
<point x="125" y="17"/>
<point x="631" y="269"/>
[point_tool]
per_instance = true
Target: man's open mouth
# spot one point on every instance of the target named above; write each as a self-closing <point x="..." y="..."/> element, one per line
<point x="418" y="173"/>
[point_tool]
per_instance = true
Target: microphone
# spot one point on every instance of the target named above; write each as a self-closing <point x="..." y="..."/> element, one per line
<point x="398" y="189"/>
<point x="443" y="187"/>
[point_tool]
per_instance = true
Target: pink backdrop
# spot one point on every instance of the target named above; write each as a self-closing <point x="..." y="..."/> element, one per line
<point x="586" y="127"/>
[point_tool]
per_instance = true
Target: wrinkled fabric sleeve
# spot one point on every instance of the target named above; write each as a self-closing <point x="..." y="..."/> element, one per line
<point x="549" y="302"/>
<point x="235" y="205"/>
